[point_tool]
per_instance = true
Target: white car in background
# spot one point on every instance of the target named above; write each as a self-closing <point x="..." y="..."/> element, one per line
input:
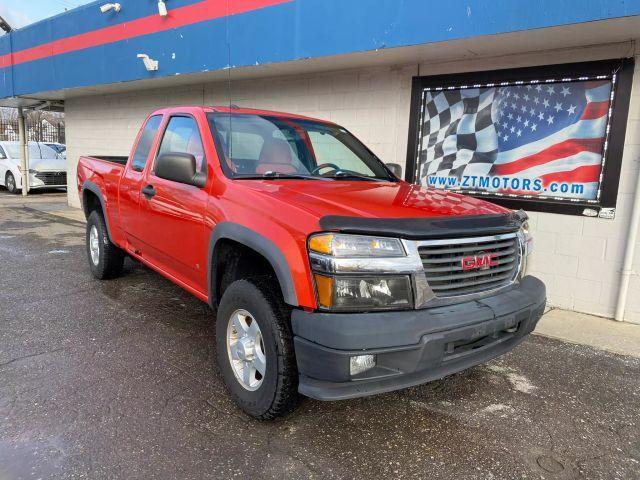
<point x="47" y="168"/>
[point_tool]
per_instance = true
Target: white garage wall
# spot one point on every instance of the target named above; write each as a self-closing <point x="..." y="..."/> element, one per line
<point x="579" y="258"/>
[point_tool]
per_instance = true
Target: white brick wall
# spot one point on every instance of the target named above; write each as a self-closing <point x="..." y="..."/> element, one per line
<point x="579" y="258"/>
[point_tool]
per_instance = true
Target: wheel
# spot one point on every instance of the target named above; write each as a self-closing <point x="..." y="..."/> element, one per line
<point x="10" y="183"/>
<point x="255" y="349"/>
<point x="105" y="259"/>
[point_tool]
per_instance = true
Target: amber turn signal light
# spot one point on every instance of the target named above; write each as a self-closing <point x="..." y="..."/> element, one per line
<point x="324" y="286"/>
<point x="321" y="243"/>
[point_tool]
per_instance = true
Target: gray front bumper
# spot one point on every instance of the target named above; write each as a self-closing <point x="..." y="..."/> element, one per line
<point x="412" y="347"/>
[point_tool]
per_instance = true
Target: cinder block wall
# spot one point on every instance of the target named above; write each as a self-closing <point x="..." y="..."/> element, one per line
<point x="579" y="258"/>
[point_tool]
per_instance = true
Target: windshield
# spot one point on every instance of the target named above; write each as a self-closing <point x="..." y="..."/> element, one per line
<point x="37" y="151"/>
<point x="261" y="146"/>
<point x="57" y="147"/>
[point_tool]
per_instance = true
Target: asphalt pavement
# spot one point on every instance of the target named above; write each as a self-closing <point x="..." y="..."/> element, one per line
<point x="117" y="379"/>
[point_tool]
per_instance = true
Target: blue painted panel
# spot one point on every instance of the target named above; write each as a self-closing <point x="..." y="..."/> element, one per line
<point x="117" y="62"/>
<point x="6" y="83"/>
<point x="86" y="19"/>
<point x="330" y="27"/>
<point x="5" y="44"/>
<point x="291" y="31"/>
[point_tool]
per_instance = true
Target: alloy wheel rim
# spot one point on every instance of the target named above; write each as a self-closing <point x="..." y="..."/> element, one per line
<point x="245" y="348"/>
<point x="11" y="183"/>
<point x="94" y="245"/>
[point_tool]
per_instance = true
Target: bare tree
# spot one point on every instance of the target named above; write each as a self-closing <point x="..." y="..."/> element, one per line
<point x="41" y="124"/>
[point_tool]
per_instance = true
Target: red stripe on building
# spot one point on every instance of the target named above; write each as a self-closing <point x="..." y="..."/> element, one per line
<point x="595" y="110"/>
<point x="178" y="17"/>
<point x="559" y="150"/>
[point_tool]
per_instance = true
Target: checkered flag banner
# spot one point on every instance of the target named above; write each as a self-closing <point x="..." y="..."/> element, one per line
<point x="460" y="136"/>
<point x="539" y="139"/>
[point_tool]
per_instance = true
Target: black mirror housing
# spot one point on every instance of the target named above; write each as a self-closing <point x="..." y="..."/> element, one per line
<point x="181" y="168"/>
<point x="395" y="168"/>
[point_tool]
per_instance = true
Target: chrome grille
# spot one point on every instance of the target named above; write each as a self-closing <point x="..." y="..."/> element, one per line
<point x="53" y="178"/>
<point x="442" y="261"/>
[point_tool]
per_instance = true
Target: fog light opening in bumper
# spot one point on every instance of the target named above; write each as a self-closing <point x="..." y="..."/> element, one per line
<point x="361" y="363"/>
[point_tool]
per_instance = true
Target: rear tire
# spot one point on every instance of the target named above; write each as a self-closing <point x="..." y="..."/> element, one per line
<point x="105" y="259"/>
<point x="10" y="183"/>
<point x="275" y="392"/>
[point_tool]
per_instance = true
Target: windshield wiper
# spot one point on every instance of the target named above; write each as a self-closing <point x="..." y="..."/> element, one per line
<point x="350" y="174"/>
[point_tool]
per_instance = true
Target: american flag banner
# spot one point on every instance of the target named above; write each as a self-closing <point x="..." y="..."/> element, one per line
<point x="538" y="139"/>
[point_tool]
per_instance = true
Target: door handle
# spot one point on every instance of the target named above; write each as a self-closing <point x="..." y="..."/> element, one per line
<point x="149" y="191"/>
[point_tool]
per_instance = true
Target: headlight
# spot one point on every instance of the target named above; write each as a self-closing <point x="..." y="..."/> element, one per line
<point x="364" y="293"/>
<point x="360" y="272"/>
<point x="527" y="239"/>
<point x="338" y="245"/>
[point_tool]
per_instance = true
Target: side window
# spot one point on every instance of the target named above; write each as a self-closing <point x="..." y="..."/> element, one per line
<point x="328" y="149"/>
<point x="3" y="154"/>
<point x="141" y="154"/>
<point x="182" y="136"/>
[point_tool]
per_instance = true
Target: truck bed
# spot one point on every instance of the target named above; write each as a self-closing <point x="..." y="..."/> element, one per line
<point x="109" y="158"/>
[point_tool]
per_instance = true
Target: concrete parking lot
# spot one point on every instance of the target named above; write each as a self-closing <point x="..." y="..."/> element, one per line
<point x="117" y="380"/>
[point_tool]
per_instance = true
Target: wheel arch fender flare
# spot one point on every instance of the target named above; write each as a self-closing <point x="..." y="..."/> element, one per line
<point x="89" y="186"/>
<point x="259" y="243"/>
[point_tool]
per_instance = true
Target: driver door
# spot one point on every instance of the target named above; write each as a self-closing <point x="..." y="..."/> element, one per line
<point x="172" y="213"/>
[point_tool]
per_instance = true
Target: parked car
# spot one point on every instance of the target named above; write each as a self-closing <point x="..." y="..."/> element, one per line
<point x="331" y="277"/>
<point x="46" y="168"/>
<point x="60" y="148"/>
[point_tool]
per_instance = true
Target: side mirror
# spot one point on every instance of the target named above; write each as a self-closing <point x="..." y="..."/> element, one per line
<point x="395" y="168"/>
<point x="181" y="168"/>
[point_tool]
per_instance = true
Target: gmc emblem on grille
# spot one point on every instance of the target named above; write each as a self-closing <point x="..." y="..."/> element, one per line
<point x="479" y="262"/>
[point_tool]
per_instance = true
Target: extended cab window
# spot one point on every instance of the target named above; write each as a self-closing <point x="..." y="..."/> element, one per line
<point x="141" y="154"/>
<point x="182" y="136"/>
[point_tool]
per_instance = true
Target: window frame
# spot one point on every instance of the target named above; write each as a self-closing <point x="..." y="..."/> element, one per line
<point x="622" y="68"/>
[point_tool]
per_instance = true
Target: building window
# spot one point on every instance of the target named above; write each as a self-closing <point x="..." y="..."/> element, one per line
<point x="545" y="138"/>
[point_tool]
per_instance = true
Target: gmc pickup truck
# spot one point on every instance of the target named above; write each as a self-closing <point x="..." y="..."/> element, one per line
<point x="330" y="276"/>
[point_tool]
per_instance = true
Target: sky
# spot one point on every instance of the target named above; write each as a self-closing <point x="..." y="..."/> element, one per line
<point x="19" y="13"/>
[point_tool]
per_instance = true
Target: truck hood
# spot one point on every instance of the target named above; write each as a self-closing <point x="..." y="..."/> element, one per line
<point x="371" y="199"/>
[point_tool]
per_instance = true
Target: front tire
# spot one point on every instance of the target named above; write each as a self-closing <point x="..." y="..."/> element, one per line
<point x="105" y="259"/>
<point x="10" y="183"/>
<point x="255" y="351"/>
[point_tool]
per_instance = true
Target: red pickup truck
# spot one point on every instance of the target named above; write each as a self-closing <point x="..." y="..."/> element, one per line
<point x="331" y="277"/>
